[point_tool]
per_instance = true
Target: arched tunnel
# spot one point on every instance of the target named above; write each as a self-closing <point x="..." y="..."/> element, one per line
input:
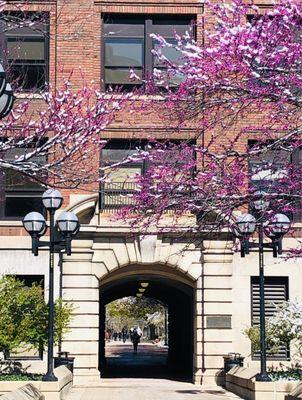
<point x="173" y="290"/>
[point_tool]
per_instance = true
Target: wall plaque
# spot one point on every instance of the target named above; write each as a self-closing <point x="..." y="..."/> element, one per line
<point x="219" y="322"/>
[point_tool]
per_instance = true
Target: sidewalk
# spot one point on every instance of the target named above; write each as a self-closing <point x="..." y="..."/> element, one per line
<point x="149" y="389"/>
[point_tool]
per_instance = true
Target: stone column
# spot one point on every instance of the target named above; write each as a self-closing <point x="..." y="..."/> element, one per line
<point x="214" y="311"/>
<point x="81" y="288"/>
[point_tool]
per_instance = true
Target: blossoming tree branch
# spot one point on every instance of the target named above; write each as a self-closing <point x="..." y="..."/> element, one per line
<point x="240" y="91"/>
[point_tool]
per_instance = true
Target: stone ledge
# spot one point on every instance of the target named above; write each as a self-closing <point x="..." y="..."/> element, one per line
<point x="241" y="381"/>
<point x="51" y="390"/>
<point x="296" y="394"/>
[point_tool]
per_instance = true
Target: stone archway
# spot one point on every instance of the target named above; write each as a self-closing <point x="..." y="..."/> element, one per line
<point x="101" y="257"/>
<point x="174" y="289"/>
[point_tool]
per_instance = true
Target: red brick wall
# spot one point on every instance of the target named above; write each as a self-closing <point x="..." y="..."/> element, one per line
<point x="75" y="50"/>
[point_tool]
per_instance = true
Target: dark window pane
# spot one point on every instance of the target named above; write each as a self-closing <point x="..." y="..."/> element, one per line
<point x="172" y="54"/>
<point x="115" y="155"/>
<point x="27" y="76"/>
<point x="124" y="52"/>
<point x="25" y="49"/>
<point x="20" y="206"/>
<point x="120" y="76"/>
<point x="15" y="180"/>
<point x="168" y="26"/>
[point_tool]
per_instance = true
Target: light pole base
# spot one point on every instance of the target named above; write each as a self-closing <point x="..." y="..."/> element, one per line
<point x="49" y="377"/>
<point x="263" y="377"/>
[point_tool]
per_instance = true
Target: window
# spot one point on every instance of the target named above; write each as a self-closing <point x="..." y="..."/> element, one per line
<point x="18" y="193"/>
<point x="122" y="179"/>
<point x="269" y="168"/>
<point x="128" y="45"/>
<point x="275" y="291"/>
<point x="24" y="43"/>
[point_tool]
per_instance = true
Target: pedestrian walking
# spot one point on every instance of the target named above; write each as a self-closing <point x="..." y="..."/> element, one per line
<point x="136" y="338"/>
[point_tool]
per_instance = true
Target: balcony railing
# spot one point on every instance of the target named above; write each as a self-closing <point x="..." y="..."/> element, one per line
<point x="114" y="196"/>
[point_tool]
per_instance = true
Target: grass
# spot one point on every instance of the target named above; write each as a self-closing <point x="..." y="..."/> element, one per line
<point x="20" y="377"/>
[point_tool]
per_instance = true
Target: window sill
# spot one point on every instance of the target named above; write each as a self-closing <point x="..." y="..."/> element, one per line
<point x="136" y="97"/>
<point x="29" y="96"/>
<point x="6" y="222"/>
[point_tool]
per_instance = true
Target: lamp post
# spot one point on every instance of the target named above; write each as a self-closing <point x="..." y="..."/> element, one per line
<point x="274" y="228"/>
<point x="6" y="95"/>
<point x="60" y="236"/>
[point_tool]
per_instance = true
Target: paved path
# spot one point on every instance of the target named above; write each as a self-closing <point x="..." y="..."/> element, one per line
<point x="136" y="377"/>
<point x="149" y="389"/>
<point x="149" y="362"/>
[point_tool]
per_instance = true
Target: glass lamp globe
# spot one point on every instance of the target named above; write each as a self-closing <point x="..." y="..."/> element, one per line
<point x="278" y="226"/>
<point x="144" y="284"/>
<point x="34" y="223"/>
<point x="68" y="222"/>
<point x="6" y="101"/>
<point x="141" y="290"/>
<point x="245" y="224"/>
<point x="139" y="295"/>
<point x="2" y="80"/>
<point x="52" y="199"/>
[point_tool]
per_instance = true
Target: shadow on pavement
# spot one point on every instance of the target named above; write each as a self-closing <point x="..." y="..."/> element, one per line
<point x="150" y="361"/>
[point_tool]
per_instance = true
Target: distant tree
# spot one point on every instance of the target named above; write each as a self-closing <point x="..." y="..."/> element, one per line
<point x="129" y="310"/>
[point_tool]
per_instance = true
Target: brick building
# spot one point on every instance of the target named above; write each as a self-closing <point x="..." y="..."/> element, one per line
<point x="211" y="292"/>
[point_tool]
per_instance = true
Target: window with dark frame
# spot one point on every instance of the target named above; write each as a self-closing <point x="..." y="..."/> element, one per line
<point x="275" y="292"/>
<point x="127" y="45"/>
<point x="24" y="39"/>
<point x="113" y="194"/>
<point x="28" y="353"/>
<point x="269" y="167"/>
<point x="19" y="194"/>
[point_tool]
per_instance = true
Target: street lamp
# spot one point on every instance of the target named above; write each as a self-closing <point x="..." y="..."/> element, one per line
<point x="60" y="236"/>
<point x="274" y="228"/>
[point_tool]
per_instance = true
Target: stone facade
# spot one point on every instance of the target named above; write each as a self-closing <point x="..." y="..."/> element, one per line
<point x="106" y="255"/>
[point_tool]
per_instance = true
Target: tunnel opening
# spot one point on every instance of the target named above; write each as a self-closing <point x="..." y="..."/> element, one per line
<point x="173" y="359"/>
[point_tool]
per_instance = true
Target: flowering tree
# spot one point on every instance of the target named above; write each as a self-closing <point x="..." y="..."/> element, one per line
<point x="55" y="139"/>
<point x="240" y="92"/>
<point x="59" y="141"/>
<point x="283" y="328"/>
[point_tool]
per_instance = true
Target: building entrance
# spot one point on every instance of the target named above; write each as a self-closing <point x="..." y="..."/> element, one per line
<point x="173" y="360"/>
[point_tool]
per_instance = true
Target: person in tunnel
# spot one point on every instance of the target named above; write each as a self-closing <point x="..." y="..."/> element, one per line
<point x="136" y="338"/>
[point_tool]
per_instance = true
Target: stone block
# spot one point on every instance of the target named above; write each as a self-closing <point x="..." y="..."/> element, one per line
<point x="80" y="268"/>
<point x="218" y="268"/>
<point x="99" y="269"/>
<point x="27" y="392"/>
<point x="81" y="294"/>
<point x="75" y="348"/>
<point x="85" y="307"/>
<point x="218" y="348"/>
<point x="218" y="308"/>
<point x="80" y="281"/>
<point x="106" y="256"/>
<point x="221" y="295"/>
<point x="131" y="251"/>
<point x="194" y="270"/>
<point x="218" y="335"/>
<point x="82" y="334"/>
<point x="84" y="320"/>
<point x="218" y="282"/>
